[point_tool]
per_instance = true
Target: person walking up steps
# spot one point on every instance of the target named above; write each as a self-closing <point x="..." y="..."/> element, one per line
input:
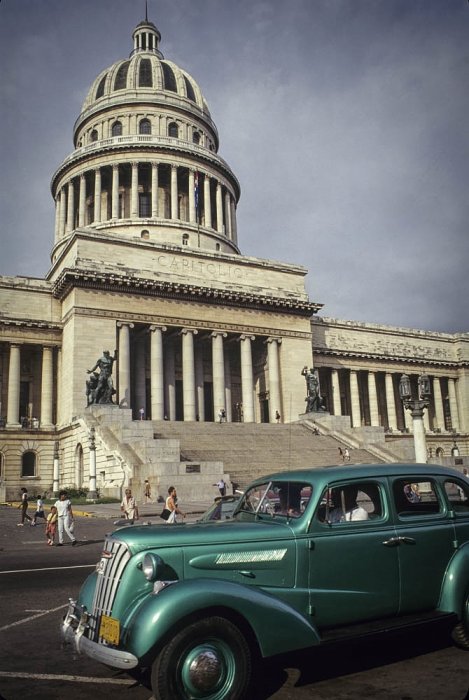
<point x="65" y="518"/>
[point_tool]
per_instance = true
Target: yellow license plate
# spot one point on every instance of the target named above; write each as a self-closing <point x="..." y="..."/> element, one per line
<point x="109" y="629"/>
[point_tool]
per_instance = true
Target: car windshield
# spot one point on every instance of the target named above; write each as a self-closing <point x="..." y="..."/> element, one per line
<point x="277" y="498"/>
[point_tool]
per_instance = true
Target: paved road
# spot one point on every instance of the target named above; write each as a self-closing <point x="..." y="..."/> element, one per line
<point x="36" y="581"/>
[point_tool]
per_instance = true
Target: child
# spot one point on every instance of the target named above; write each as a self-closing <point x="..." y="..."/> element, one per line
<point x="51" y="525"/>
<point x="39" y="511"/>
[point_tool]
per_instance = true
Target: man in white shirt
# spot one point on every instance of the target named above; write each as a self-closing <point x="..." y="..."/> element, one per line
<point x="346" y="507"/>
<point x="65" y="518"/>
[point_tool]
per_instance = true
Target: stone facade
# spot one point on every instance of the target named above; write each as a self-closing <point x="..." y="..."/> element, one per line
<point x="146" y="261"/>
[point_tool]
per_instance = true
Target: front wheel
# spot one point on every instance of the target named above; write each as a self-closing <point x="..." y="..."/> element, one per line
<point x="460" y="633"/>
<point x="207" y="660"/>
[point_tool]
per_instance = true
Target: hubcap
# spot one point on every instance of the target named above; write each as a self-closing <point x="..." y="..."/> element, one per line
<point x="204" y="670"/>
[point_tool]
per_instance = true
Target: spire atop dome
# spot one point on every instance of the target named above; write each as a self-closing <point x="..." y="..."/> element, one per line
<point x="146" y="36"/>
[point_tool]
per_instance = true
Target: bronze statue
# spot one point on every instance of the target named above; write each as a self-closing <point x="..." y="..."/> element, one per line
<point x="100" y="387"/>
<point x="314" y="401"/>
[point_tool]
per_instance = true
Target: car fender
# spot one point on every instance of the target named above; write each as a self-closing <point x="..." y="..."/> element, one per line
<point x="455" y="589"/>
<point x="278" y="627"/>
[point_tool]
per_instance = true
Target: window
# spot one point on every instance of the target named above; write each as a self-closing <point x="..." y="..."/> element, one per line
<point x="169" y="80"/>
<point x="116" y="129"/>
<point x="100" y="90"/>
<point x="185" y="239"/>
<point x="189" y="89"/>
<point x="457" y="492"/>
<point x="196" y="137"/>
<point x="144" y="206"/>
<point x="94" y="136"/>
<point x="277" y="498"/>
<point x="173" y="130"/>
<point x="415" y="497"/>
<point x="120" y="82"/>
<point x="145" y="78"/>
<point x="355" y="501"/>
<point x="145" y="234"/>
<point x="28" y="464"/>
<point x="144" y="127"/>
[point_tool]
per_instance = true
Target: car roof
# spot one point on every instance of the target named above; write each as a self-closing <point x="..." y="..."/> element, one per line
<point x="358" y="471"/>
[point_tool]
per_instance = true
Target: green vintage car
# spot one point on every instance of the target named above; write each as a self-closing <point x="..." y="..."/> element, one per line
<point x="309" y="556"/>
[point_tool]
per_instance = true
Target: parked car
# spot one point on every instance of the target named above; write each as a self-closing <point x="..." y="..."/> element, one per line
<point x="222" y="508"/>
<point x="310" y="556"/>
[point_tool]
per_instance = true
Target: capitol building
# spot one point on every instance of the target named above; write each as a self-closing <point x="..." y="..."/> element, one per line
<point x="147" y="264"/>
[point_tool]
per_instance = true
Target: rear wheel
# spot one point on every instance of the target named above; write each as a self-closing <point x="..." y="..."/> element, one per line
<point x="207" y="660"/>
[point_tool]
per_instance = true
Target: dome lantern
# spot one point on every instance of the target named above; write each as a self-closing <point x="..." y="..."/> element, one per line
<point x="146" y="38"/>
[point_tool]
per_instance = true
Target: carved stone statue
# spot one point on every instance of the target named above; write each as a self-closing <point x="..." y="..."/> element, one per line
<point x="314" y="401"/>
<point x="100" y="387"/>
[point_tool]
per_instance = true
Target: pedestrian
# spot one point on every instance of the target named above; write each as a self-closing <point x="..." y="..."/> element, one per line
<point x="129" y="506"/>
<point x="51" y="525"/>
<point x="346" y="455"/>
<point x="65" y="518"/>
<point x="24" y="507"/>
<point x="172" y="505"/>
<point x="277" y="416"/>
<point x="221" y="486"/>
<point x="39" y="510"/>
<point x="147" y="491"/>
<point x="142" y="413"/>
<point x="341" y="453"/>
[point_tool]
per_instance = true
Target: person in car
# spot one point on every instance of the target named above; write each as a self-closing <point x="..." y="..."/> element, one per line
<point x="346" y="507"/>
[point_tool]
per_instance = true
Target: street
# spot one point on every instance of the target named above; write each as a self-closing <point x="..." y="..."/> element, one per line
<point x="36" y="582"/>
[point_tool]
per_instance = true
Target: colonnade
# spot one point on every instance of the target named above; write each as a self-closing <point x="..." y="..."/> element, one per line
<point x="372" y="398"/>
<point x="146" y="190"/>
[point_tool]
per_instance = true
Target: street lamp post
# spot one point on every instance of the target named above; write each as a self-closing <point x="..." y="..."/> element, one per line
<point x="92" y="486"/>
<point x="416" y="408"/>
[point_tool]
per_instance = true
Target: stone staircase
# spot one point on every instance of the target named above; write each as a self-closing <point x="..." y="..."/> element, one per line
<point x="250" y="450"/>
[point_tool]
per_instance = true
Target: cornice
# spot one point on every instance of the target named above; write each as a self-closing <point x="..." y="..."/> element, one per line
<point x="421" y="361"/>
<point x="30" y="323"/>
<point x="111" y="282"/>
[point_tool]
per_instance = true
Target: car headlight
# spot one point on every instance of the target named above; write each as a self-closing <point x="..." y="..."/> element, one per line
<point x="151" y="566"/>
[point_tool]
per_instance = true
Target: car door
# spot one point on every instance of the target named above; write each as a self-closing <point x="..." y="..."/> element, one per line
<point x="353" y="565"/>
<point x="426" y="540"/>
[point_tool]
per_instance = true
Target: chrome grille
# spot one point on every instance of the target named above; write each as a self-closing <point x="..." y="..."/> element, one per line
<point x="114" y="557"/>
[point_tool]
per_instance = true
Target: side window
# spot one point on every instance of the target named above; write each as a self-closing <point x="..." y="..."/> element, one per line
<point x="458" y="495"/>
<point x="415" y="497"/>
<point x="352" y="502"/>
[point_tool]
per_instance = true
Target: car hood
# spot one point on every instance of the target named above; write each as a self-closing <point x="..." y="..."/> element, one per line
<point x="225" y="532"/>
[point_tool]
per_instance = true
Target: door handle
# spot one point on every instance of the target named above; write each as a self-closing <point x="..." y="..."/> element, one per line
<point x="407" y="540"/>
<point x="393" y="542"/>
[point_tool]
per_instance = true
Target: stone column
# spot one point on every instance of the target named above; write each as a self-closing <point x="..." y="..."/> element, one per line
<point x="70" y="207"/>
<point x="174" y="192"/>
<point x="373" y="399"/>
<point x="453" y="405"/>
<point x="124" y="364"/>
<point x="56" y="470"/>
<point x="234" y="225"/>
<point x="439" y="415"/>
<point x="97" y="196"/>
<point x="354" y="399"/>
<point x="139" y="400"/>
<point x="218" y="373"/>
<point x="92" y="483"/>
<point x="82" y="200"/>
<point x="191" y="196"/>
<point x="170" y="379"/>
<point x="134" y="192"/>
<point x="57" y="219"/>
<point x="219" y="205"/>
<point x="63" y="210"/>
<point x="247" y="379"/>
<point x="228" y="392"/>
<point x="275" y="400"/>
<point x="336" y="392"/>
<point x="228" y="215"/>
<point x="47" y="387"/>
<point x="207" y="202"/>
<point x="154" y="190"/>
<point x="58" y="418"/>
<point x="199" y="382"/>
<point x="157" y="372"/>
<point x="13" y="399"/>
<point x="188" y="373"/>
<point x="115" y="192"/>
<point x="390" y="402"/>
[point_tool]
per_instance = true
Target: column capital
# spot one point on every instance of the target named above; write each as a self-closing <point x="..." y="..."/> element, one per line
<point x="185" y="331"/>
<point x="246" y="336"/>
<point x="273" y="339"/>
<point x="122" y="324"/>
<point x="155" y="327"/>
<point x="215" y="334"/>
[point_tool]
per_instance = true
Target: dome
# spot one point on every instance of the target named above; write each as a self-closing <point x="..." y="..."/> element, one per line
<point x="144" y="77"/>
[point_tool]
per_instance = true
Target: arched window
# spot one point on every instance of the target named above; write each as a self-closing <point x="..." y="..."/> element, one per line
<point x="120" y="82"/>
<point x="189" y="89"/>
<point x="173" y="130"/>
<point x="116" y="129"/>
<point x="185" y="239"/>
<point x="144" y="126"/>
<point x="168" y="78"/>
<point x="145" y="234"/>
<point x="28" y="464"/>
<point x="195" y="137"/>
<point x="94" y="136"/>
<point x="100" y="90"/>
<point x="145" y="78"/>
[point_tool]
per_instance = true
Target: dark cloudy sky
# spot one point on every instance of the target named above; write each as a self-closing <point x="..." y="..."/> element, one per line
<point x="346" y="122"/>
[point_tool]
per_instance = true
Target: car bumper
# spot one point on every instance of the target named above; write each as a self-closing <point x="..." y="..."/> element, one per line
<point x="74" y="629"/>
